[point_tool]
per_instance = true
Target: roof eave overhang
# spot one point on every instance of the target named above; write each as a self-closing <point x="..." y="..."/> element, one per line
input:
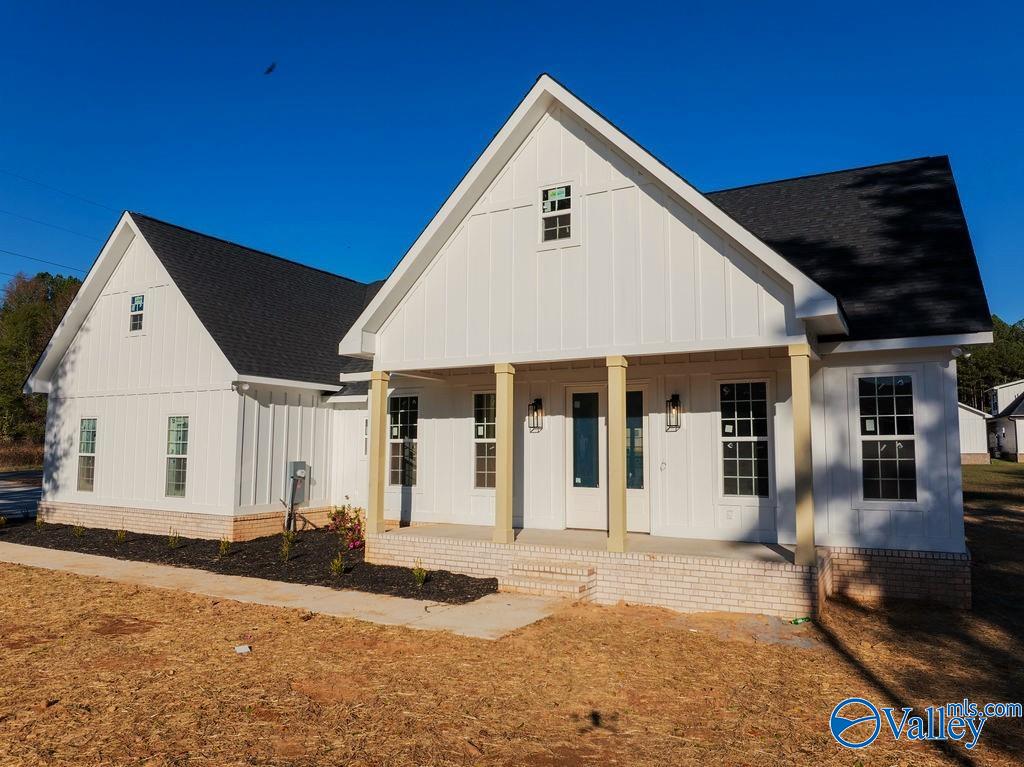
<point x="913" y="342"/>
<point x="813" y="304"/>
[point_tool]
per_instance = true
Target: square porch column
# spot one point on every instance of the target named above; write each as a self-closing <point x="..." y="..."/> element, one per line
<point x="504" y="379"/>
<point x="800" y="374"/>
<point x="378" y="445"/>
<point x="616" y="453"/>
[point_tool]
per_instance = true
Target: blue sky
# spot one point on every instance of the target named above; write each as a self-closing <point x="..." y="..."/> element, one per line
<point x="375" y="111"/>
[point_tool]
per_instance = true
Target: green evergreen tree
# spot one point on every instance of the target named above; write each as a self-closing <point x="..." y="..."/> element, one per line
<point x="31" y="310"/>
<point x="989" y="366"/>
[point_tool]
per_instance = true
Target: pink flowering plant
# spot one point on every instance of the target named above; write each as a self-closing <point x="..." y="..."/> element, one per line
<point x="347" y="523"/>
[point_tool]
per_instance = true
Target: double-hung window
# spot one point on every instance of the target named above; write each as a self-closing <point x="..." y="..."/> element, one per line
<point x="484" y="446"/>
<point x="177" y="456"/>
<point x="135" y="311"/>
<point x="556" y="213"/>
<point x="403" y="415"/>
<point x="744" y="435"/>
<point x="888" y="462"/>
<point x="87" y="454"/>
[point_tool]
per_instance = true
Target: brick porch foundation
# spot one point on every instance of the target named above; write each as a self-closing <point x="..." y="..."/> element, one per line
<point x="974" y="458"/>
<point x="664" y="580"/>
<point x="691" y="584"/>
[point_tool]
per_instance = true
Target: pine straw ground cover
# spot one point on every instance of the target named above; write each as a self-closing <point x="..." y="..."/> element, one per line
<point x="99" y="673"/>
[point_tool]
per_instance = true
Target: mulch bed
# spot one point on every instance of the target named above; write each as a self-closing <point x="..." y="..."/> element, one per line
<point x="308" y="563"/>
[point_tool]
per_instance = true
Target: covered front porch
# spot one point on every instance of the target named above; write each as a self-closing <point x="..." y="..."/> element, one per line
<point x="681" y="493"/>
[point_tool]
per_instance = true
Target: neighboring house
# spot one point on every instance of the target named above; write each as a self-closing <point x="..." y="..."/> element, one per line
<point x="585" y="376"/>
<point x="1006" y="425"/>
<point x="974" y="438"/>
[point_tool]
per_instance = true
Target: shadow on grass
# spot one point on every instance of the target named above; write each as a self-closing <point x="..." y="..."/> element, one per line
<point x="917" y="655"/>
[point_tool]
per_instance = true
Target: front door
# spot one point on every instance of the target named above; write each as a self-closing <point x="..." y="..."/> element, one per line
<point x="586" y="447"/>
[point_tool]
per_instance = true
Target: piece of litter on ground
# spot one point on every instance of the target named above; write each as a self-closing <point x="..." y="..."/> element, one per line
<point x="798" y="621"/>
<point x="243" y="649"/>
<point x="693" y="631"/>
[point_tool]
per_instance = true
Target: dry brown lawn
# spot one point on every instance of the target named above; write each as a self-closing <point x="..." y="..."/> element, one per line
<point x="95" y="673"/>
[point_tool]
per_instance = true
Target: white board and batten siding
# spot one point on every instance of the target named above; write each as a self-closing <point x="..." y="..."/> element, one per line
<point x="279" y="425"/>
<point x="682" y="487"/>
<point x="131" y="383"/>
<point x="642" y="274"/>
<point x="932" y="522"/>
<point x="973" y="430"/>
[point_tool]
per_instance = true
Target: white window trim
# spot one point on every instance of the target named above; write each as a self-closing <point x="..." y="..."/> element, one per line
<point x="754" y="501"/>
<point x="95" y="450"/>
<point x="858" y="501"/>
<point x="481" y="491"/>
<point x="186" y="456"/>
<point x="141" y="331"/>
<point x="575" y="215"/>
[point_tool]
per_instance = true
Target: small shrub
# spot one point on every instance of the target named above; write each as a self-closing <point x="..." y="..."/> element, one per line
<point x="223" y="548"/>
<point x="420" y="574"/>
<point x="78" y="531"/>
<point x="3" y="520"/>
<point x="120" y="536"/>
<point x="287" y="542"/>
<point x="338" y="564"/>
<point x="39" y="521"/>
<point x="173" y="539"/>
<point x="347" y="523"/>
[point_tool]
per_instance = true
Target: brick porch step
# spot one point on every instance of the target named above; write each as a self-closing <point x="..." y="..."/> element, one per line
<point x="545" y="568"/>
<point x="545" y="587"/>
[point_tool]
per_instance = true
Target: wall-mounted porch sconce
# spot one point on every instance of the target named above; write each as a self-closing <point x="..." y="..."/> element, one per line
<point x="673" y="413"/>
<point x="536" y="415"/>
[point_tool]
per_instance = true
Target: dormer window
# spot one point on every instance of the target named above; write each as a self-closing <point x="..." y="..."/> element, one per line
<point x="135" y="314"/>
<point x="555" y="213"/>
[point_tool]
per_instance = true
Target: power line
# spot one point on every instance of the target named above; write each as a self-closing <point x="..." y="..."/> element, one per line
<point x="59" y="191"/>
<point x="42" y="260"/>
<point x="45" y="223"/>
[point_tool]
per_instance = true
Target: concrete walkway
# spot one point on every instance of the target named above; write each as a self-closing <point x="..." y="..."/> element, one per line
<point x="491" y="617"/>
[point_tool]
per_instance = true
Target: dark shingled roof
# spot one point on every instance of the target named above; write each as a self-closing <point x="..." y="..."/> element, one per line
<point x="889" y="241"/>
<point x="271" y="317"/>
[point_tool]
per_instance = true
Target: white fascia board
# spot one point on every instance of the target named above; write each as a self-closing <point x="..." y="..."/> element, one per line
<point x="120" y="237"/>
<point x="360" y="339"/>
<point x="263" y="381"/>
<point x="813" y="302"/>
<point x="353" y="377"/>
<point x="1008" y="383"/>
<point x="974" y="410"/>
<point x="346" y="399"/>
<point x="915" y="342"/>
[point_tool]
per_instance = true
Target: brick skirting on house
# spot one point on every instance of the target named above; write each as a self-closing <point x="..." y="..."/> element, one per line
<point x="974" y="458"/>
<point x="243" y="527"/>
<point x="874" y="576"/>
<point x="691" y="584"/>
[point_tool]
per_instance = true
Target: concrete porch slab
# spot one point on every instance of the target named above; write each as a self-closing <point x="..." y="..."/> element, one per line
<point x="491" y="617"/>
<point x="597" y="540"/>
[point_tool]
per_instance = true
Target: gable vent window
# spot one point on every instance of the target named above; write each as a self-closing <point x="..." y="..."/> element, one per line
<point x="555" y="213"/>
<point x="135" y="314"/>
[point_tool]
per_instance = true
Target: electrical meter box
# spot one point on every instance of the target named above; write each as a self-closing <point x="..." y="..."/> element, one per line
<point x="298" y="473"/>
